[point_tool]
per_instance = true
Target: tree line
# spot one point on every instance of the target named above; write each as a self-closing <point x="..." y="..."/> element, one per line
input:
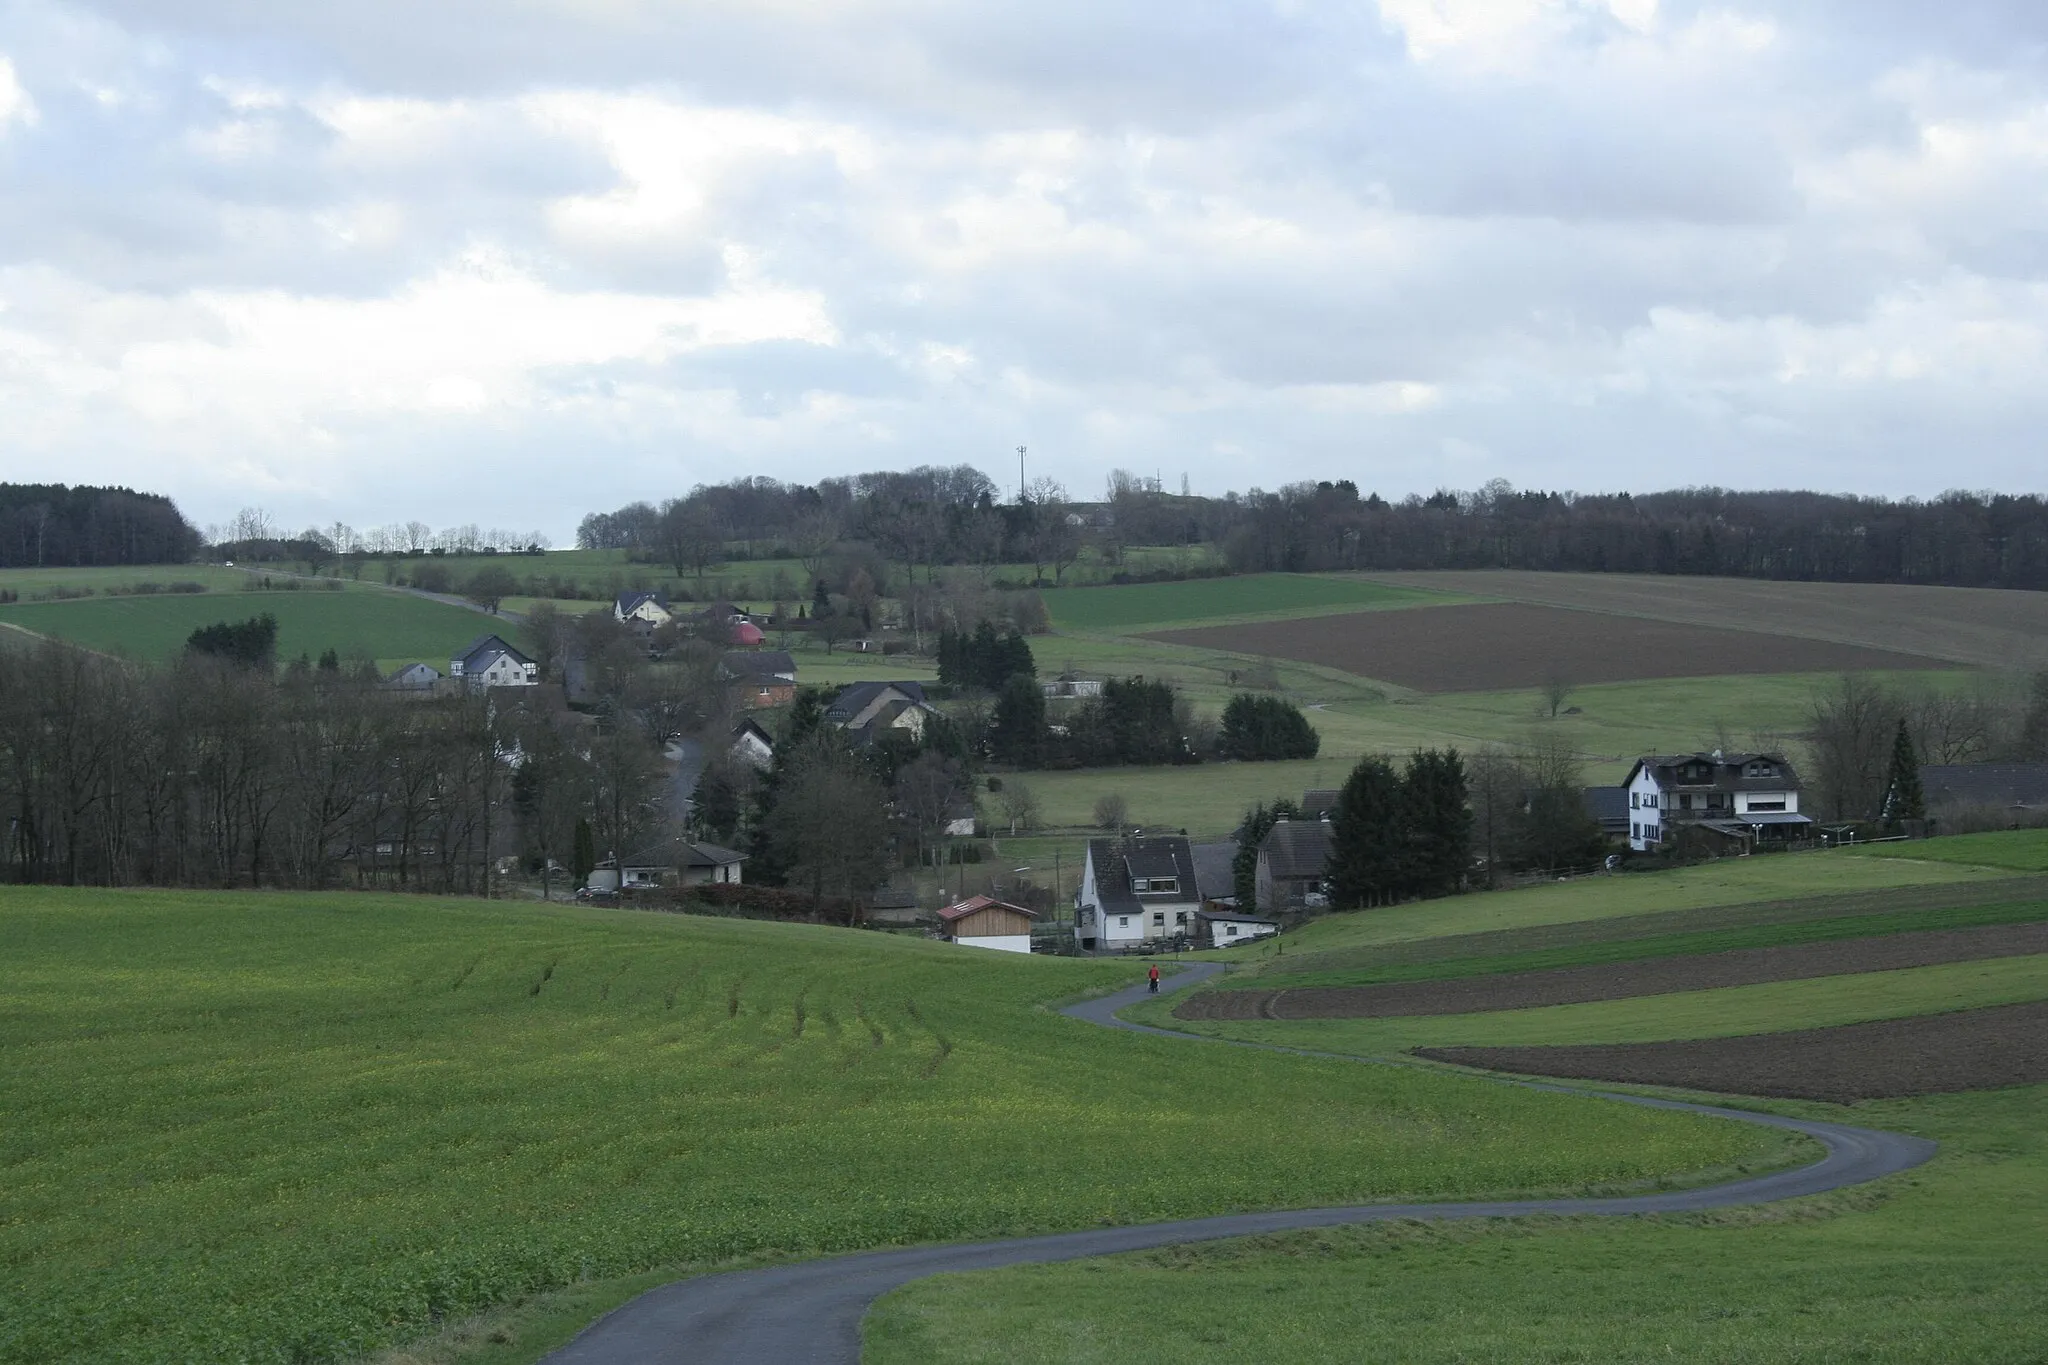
<point x="50" y="525"/>
<point x="1854" y="727"/>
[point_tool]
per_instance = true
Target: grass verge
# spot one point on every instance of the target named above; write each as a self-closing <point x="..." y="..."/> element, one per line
<point x="1939" y="1264"/>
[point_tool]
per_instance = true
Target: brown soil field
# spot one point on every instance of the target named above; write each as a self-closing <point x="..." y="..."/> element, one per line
<point x="1621" y="928"/>
<point x="1929" y="1054"/>
<point x="1494" y="646"/>
<point x="1987" y="627"/>
<point x="1622" y="980"/>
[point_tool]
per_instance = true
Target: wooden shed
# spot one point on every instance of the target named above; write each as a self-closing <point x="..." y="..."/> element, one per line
<point x="984" y="922"/>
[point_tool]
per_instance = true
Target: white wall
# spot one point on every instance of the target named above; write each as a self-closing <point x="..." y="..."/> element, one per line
<point x="1245" y="932"/>
<point x="1002" y="943"/>
<point x="1645" y="820"/>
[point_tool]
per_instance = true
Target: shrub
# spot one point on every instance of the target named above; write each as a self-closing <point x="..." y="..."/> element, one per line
<point x="1266" y="728"/>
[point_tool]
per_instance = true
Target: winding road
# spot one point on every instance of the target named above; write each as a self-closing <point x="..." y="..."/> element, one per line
<point x="811" y="1311"/>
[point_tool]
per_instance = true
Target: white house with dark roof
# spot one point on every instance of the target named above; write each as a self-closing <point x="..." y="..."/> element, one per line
<point x="868" y="710"/>
<point x="1221" y="927"/>
<point x="1743" y="797"/>
<point x="642" y="612"/>
<point x="490" y="662"/>
<point x="1136" y="891"/>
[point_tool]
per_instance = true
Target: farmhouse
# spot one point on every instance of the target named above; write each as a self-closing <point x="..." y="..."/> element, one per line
<point x="1220" y="928"/>
<point x="490" y="662"/>
<point x="868" y="710"/>
<point x="1294" y="860"/>
<point x="1136" y="891"/>
<point x="642" y="612"/>
<point x="414" y="678"/>
<point x="764" y="677"/>
<point x="679" y="862"/>
<point x="981" y="922"/>
<point x="1733" y="797"/>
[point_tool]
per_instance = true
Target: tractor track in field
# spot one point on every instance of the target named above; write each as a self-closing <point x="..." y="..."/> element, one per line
<point x="811" y="1311"/>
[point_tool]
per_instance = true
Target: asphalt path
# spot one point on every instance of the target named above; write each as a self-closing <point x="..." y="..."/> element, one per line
<point x="811" y="1311"/>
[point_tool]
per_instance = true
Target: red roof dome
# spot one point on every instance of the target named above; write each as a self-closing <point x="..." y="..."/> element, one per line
<point x="747" y="633"/>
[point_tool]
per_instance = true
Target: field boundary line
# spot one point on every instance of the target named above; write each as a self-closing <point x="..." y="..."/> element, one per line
<point x="812" y="1310"/>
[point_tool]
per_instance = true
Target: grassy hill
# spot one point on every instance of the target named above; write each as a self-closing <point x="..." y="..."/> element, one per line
<point x="297" y="1127"/>
<point x="1939" y="1264"/>
<point x="387" y="626"/>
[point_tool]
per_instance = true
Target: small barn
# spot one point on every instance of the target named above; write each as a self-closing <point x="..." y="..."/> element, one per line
<point x="983" y="922"/>
<point x="1219" y="928"/>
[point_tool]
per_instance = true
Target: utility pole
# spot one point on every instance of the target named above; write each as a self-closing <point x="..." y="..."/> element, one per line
<point x="1020" y="476"/>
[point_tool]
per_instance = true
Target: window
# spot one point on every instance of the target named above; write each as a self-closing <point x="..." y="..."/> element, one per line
<point x="1156" y="884"/>
<point x="1635" y="800"/>
<point x="1159" y="919"/>
<point x="1635" y="831"/>
<point x="1760" y="770"/>
<point x="1767" y="805"/>
<point x="1230" y="931"/>
<point x="1123" y="921"/>
<point x="1180" y="917"/>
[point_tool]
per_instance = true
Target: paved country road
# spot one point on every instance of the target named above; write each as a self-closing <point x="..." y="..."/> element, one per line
<point x="811" y="1312"/>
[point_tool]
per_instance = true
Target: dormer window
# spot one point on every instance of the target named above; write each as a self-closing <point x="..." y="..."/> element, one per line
<point x="1760" y="770"/>
<point x="1156" y="885"/>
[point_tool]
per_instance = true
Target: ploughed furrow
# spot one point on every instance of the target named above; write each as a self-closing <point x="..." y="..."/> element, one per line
<point x="1927" y="1054"/>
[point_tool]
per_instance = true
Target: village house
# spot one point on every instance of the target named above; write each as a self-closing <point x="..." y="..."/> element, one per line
<point x="1217" y="927"/>
<point x="868" y="710"/>
<point x="1729" y="799"/>
<point x="983" y="922"/>
<point x="490" y="662"/>
<point x="764" y="677"/>
<point x="414" y="678"/>
<point x="672" y="862"/>
<point x="1136" y="891"/>
<point x="643" y="613"/>
<point x="753" y="745"/>
<point x="1294" y="862"/>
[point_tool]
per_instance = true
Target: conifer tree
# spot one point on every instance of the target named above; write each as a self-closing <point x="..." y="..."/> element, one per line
<point x="1903" y="797"/>
<point x="1365" y="836"/>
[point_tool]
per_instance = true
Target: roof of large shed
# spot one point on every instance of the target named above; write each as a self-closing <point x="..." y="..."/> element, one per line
<point x="1985" y="784"/>
<point x="974" y="905"/>
<point x="1297" y="848"/>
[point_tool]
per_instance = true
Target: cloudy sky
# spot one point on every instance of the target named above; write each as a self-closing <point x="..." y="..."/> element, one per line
<point x="510" y="262"/>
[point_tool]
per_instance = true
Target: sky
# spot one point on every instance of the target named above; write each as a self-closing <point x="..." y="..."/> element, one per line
<point x="508" y="263"/>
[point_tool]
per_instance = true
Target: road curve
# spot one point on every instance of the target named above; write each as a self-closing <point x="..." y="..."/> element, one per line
<point x="811" y="1311"/>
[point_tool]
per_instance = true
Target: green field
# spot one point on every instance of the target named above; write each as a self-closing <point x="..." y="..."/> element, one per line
<point x="1940" y="1264"/>
<point x="1219" y="601"/>
<point x="121" y="578"/>
<point x="1773" y="1007"/>
<point x="296" y="1127"/>
<point x="386" y="626"/>
<point x="2021" y="850"/>
<point x="1764" y="934"/>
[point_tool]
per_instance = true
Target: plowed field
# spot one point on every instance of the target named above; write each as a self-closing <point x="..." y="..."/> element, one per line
<point x="1622" y="980"/>
<point x="1495" y="646"/>
<point x="1929" y="1054"/>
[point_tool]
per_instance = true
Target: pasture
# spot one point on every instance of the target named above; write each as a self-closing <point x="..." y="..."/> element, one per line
<point x="301" y="1127"/>
<point x="1492" y="646"/>
<point x="1938" y="1264"/>
<point x="371" y="623"/>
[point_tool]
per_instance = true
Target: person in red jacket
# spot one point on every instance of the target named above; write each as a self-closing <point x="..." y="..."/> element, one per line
<point x="1153" y="977"/>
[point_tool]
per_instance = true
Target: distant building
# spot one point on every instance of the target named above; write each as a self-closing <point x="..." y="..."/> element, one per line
<point x="868" y="710"/>
<point x="753" y="745"/>
<point x="642" y="612"/>
<point x="764" y="677"/>
<point x="1294" y="867"/>
<point x="1136" y="891"/>
<point x="1067" y="685"/>
<point x="1216" y="872"/>
<point x="1221" y="928"/>
<point x="680" y="862"/>
<point x="490" y="662"/>
<point x="982" y="922"/>
<point x="1608" y="807"/>
<point x="1733" y="798"/>
<point x="414" y="678"/>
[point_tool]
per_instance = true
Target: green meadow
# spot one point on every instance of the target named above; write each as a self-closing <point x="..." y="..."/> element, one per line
<point x="2020" y="850"/>
<point x="1220" y="601"/>
<point x="1773" y="1007"/>
<point x="301" y="1127"/>
<point x="390" y="627"/>
<point x="1940" y="1264"/>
